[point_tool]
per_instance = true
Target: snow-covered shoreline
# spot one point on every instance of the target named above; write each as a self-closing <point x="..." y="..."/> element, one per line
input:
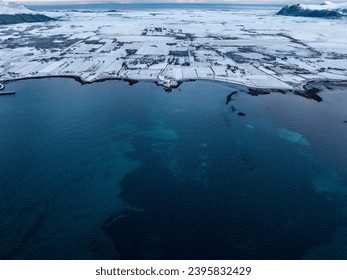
<point x="307" y="90"/>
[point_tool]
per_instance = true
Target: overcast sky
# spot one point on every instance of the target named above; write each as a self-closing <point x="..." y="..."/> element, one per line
<point x="179" y="1"/>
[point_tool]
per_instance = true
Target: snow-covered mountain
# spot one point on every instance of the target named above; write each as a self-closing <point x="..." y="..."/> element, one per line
<point x="14" y="12"/>
<point x="324" y="10"/>
<point x="14" y="8"/>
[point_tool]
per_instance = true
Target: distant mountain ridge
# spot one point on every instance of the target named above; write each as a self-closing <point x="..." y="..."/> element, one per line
<point x="14" y="8"/>
<point x="15" y="12"/>
<point x="324" y="10"/>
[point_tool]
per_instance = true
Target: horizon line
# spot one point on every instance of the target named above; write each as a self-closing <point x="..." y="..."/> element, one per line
<point x="145" y="3"/>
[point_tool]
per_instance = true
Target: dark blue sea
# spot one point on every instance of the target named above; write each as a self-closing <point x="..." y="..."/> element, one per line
<point x="113" y="171"/>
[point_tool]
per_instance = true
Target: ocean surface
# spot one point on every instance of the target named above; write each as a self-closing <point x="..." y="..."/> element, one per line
<point x="153" y="6"/>
<point x="113" y="171"/>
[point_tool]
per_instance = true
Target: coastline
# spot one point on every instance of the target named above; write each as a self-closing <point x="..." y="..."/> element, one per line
<point x="306" y="90"/>
<point x="175" y="52"/>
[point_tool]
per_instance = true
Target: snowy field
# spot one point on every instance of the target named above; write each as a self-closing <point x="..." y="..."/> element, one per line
<point x="250" y="47"/>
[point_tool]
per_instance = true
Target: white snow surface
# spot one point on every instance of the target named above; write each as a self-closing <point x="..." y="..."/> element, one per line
<point x="330" y="6"/>
<point x="255" y="48"/>
<point x="13" y="8"/>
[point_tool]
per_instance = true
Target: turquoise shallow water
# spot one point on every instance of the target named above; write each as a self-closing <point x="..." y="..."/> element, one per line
<point x="108" y="170"/>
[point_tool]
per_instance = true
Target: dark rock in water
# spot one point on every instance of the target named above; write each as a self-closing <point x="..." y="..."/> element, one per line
<point x="299" y="11"/>
<point x="310" y="93"/>
<point x="229" y="97"/>
<point x="345" y="122"/>
<point x="257" y="91"/>
<point x="282" y="91"/>
<point x="241" y="114"/>
<point x="7" y="93"/>
<point x="131" y="81"/>
<point x="168" y="89"/>
<point x="21" y="18"/>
